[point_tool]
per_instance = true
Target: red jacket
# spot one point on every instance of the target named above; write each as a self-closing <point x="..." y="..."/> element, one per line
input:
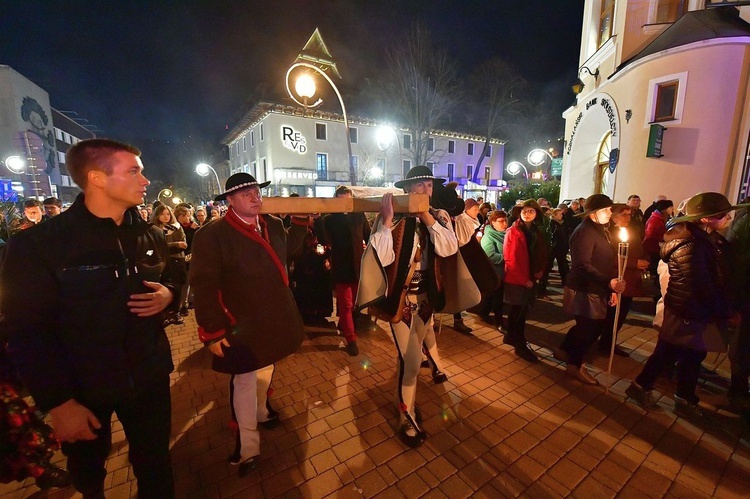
<point x="655" y="230"/>
<point x="518" y="269"/>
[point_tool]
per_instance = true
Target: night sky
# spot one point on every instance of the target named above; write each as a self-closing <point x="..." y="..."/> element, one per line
<point x="167" y="69"/>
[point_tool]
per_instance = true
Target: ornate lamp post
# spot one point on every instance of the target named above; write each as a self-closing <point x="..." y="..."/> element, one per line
<point x="204" y="169"/>
<point x="315" y="58"/>
<point x="514" y="167"/>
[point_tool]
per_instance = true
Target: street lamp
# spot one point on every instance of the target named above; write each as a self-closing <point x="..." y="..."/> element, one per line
<point x="374" y="173"/>
<point x="165" y="194"/>
<point x="537" y="157"/>
<point x="514" y="167"/>
<point x="15" y="164"/>
<point x="305" y="87"/>
<point x="204" y="169"/>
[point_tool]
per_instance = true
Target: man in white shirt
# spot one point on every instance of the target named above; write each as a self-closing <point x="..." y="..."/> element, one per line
<point x="467" y="224"/>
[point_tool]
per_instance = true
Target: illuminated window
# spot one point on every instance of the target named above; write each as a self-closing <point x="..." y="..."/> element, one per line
<point x="602" y="164"/>
<point x="668" y="11"/>
<point x="321" y="131"/>
<point x="244" y="143"/>
<point x="451" y="146"/>
<point x="451" y="168"/>
<point x="254" y="169"/>
<point x="666" y="101"/>
<point x="430" y="144"/>
<point x="489" y="152"/>
<point x="261" y="132"/>
<point x="469" y="169"/>
<point x="470" y="149"/>
<point x="407" y="141"/>
<point x="407" y="164"/>
<point x="487" y="173"/>
<point x="322" y="165"/>
<point x="353" y="135"/>
<point x="606" y="21"/>
<point x="252" y="138"/>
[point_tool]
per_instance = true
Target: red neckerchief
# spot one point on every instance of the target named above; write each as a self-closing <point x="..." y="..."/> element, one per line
<point x="249" y="231"/>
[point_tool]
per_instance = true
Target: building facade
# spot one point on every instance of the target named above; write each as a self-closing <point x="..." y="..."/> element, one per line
<point x="33" y="140"/>
<point x="306" y="152"/>
<point x="663" y="108"/>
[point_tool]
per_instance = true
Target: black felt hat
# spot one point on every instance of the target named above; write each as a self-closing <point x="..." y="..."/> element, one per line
<point x="237" y="182"/>
<point x="417" y="174"/>
<point x="445" y="197"/>
<point x="594" y="203"/>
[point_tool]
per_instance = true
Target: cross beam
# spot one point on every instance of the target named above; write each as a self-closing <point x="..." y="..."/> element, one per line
<point x="404" y="203"/>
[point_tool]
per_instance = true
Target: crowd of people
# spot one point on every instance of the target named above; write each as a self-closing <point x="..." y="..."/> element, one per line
<point x="121" y="271"/>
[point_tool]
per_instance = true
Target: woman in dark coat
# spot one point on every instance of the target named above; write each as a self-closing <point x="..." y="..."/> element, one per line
<point x="656" y="227"/>
<point x="590" y="285"/>
<point x="163" y="218"/>
<point x="525" y="252"/>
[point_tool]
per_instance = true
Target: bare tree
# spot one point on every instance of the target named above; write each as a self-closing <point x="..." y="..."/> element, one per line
<point x="496" y="97"/>
<point x="422" y="85"/>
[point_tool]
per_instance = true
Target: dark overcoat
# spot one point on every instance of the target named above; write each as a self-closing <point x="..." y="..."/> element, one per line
<point x="242" y="294"/>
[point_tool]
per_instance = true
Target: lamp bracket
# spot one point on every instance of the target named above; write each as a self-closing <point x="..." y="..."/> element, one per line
<point x="595" y="74"/>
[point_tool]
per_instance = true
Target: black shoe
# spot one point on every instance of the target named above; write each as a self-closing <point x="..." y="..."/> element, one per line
<point x="439" y="377"/>
<point x="177" y="320"/>
<point x="645" y="398"/>
<point x="53" y="477"/>
<point x="272" y="421"/>
<point x="412" y="441"/>
<point x="184" y="311"/>
<point x="486" y="318"/>
<point x="739" y="401"/>
<point x="247" y="466"/>
<point x="462" y="328"/>
<point x="686" y="410"/>
<point x="526" y="353"/>
<point x="425" y="363"/>
<point x="352" y="349"/>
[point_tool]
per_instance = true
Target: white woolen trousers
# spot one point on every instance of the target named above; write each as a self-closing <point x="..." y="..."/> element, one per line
<point x="408" y="342"/>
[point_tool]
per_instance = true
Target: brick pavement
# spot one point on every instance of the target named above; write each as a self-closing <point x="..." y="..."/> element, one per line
<point x="499" y="426"/>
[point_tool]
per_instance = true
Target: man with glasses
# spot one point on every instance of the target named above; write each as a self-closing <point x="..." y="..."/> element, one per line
<point x="245" y="310"/>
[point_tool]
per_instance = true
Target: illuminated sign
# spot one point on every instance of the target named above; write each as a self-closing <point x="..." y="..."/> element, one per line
<point x="281" y="174"/>
<point x="293" y="140"/>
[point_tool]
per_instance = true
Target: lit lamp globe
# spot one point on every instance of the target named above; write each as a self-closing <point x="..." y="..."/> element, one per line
<point x="305" y="86"/>
<point x="15" y="164"/>
<point x="384" y="136"/>
<point x="514" y="167"/>
<point x="176" y="200"/>
<point x="203" y="169"/>
<point x="536" y="157"/>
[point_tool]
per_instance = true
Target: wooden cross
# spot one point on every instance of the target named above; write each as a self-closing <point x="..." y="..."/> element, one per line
<point x="403" y="203"/>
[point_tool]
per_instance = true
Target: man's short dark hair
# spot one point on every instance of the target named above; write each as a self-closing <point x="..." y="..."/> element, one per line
<point x="93" y="154"/>
<point x="53" y="201"/>
<point x="32" y="203"/>
<point x="632" y="196"/>
<point x="342" y="189"/>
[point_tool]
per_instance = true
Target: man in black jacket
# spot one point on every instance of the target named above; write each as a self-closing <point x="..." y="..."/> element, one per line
<point x="81" y="303"/>
<point x="346" y="234"/>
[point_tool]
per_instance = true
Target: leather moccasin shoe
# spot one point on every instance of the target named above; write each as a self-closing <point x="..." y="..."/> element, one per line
<point x="581" y="374"/>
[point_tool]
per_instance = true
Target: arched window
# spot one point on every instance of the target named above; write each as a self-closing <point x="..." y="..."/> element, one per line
<point x="602" y="164"/>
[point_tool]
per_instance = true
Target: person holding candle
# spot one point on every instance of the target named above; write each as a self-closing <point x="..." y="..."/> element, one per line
<point x="591" y="285"/>
<point x="636" y="262"/>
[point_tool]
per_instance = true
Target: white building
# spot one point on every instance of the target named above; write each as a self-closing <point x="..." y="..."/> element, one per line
<point x="33" y="141"/>
<point x="305" y="151"/>
<point x="664" y="109"/>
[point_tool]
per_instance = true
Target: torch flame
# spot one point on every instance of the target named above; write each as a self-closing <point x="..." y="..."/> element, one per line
<point x="623" y="234"/>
